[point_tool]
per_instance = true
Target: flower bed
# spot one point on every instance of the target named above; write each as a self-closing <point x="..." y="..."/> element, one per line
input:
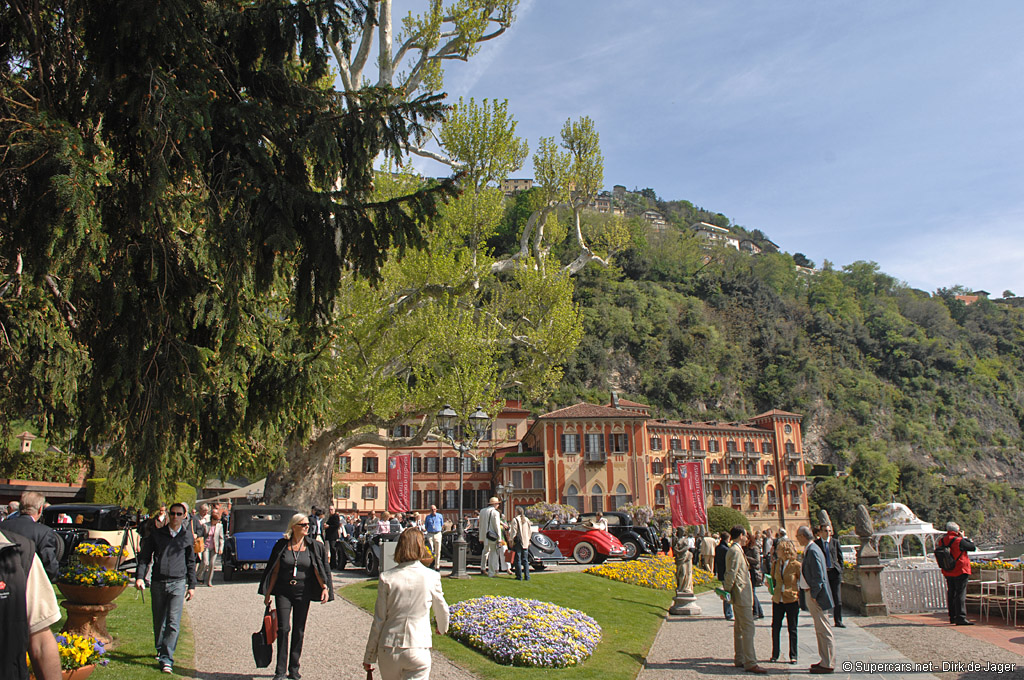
<point x="100" y="550"/>
<point x="77" y="651"/>
<point x="85" y="575"/>
<point x="521" y="632"/>
<point x="658" y="572"/>
<point x="997" y="564"/>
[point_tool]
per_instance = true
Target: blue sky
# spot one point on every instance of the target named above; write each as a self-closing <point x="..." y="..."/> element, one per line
<point x="847" y="131"/>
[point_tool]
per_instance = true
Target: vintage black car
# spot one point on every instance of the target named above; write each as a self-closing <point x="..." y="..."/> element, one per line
<point x="365" y="551"/>
<point x="636" y="540"/>
<point x="93" y="523"/>
<point x="543" y="551"/>
<point x="252" y="533"/>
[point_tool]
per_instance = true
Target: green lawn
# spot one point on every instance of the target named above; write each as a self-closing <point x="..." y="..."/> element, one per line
<point x="133" y="656"/>
<point x="629" y="617"/>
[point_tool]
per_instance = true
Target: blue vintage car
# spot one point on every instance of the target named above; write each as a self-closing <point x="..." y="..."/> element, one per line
<point x="252" y="532"/>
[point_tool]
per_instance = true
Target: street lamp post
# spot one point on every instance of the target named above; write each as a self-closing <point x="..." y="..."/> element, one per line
<point x="479" y="421"/>
<point x="504" y="491"/>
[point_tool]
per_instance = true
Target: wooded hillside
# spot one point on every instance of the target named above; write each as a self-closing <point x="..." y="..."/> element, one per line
<point x="912" y="394"/>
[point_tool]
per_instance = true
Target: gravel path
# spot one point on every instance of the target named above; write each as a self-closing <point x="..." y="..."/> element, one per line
<point x="225" y="616"/>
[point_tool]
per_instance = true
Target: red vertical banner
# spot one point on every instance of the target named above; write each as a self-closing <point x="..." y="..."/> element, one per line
<point x="675" y="500"/>
<point x="691" y="493"/>
<point x="399" y="482"/>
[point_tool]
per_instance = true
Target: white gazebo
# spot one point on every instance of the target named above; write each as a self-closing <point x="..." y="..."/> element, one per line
<point x="897" y="522"/>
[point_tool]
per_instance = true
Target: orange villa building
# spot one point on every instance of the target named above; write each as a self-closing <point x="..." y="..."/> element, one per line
<point x="598" y="457"/>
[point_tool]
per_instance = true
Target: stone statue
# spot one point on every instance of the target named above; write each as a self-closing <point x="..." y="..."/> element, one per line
<point x="863" y="525"/>
<point x="824" y="520"/>
<point x="681" y="551"/>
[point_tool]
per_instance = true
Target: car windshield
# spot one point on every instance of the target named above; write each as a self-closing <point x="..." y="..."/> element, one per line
<point x="96" y="519"/>
<point x="273" y="520"/>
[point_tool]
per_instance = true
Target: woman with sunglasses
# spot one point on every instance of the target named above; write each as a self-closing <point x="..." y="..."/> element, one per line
<point x="297" y="574"/>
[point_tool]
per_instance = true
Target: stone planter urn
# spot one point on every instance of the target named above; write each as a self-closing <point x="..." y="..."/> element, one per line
<point x="73" y="674"/>
<point x="80" y="594"/>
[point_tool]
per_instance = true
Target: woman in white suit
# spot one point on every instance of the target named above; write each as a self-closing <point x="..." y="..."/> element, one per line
<point x="400" y="638"/>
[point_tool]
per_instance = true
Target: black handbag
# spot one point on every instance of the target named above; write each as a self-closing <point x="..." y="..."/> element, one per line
<point x="262" y="649"/>
<point x="492" y="535"/>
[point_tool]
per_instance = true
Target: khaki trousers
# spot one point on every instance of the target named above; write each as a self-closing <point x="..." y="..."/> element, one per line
<point x="403" y="663"/>
<point x="434" y="543"/>
<point x="743" y="628"/>
<point x="822" y="631"/>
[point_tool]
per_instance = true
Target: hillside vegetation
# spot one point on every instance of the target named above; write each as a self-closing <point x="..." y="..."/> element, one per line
<point x="914" y="395"/>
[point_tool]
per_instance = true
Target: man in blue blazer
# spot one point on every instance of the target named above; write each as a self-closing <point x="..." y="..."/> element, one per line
<point x="816" y="598"/>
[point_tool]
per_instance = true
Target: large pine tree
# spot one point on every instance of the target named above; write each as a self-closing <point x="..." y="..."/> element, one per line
<point x="182" y="191"/>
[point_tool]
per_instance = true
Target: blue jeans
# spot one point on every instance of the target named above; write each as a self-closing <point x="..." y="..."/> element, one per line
<point x="726" y="607"/>
<point x="521" y="563"/>
<point x="168" y="599"/>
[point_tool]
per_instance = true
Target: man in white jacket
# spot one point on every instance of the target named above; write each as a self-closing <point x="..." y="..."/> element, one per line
<point x="490" y="525"/>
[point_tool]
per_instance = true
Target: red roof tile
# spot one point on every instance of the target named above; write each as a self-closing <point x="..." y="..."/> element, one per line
<point x="627" y="402"/>
<point x="584" y="410"/>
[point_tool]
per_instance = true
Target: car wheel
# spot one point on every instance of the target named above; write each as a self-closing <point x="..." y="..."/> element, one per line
<point x="632" y="549"/>
<point x="583" y="553"/>
<point x="543" y="543"/>
<point x="372" y="568"/>
<point x="228" y="573"/>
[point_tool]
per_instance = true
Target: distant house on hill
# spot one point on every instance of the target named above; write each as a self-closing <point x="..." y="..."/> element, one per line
<point x="715" y="235"/>
<point x="655" y="219"/>
<point x="514" y="186"/>
<point x="749" y="246"/>
<point x="972" y="297"/>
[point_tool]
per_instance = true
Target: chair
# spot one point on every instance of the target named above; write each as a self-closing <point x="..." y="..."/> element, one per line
<point x="997" y="593"/>
<point x="1015" y="593"/>
<point x="989" y="588"/>
<point x="973" y="598"/>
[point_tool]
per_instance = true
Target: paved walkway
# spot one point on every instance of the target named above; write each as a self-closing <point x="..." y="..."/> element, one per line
<point x="701" y="647"/>
<point x="225" y="616"/>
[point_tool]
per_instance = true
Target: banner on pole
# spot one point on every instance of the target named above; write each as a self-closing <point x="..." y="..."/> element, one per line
<point x="399" y="482"/>
<point x="675" y="493"/>
<point x="690" y="493"/>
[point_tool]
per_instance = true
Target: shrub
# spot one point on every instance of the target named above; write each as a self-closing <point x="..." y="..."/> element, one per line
<point x="723" y="519"/>
<point x="541" y="513"/>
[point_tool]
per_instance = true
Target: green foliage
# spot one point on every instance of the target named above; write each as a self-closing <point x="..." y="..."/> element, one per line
<point x="183" y="196"/>
<point x="113" y="491"/>
<point x="840" y="497"/>
<point x="46" y="466"/>
<point x="721" y="518"/>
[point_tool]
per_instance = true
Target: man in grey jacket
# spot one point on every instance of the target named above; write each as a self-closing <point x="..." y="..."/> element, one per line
<point x="815" y="597"/>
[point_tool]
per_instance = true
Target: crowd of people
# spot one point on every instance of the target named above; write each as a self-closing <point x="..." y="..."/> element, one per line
<point x="810" y="582"/>
<point x="180" y="549"/>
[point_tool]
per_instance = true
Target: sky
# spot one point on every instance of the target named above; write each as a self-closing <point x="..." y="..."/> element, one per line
<point x="846" y="130"/>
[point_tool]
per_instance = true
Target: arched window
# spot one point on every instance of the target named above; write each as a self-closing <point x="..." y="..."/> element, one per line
<point x="622" y="497"/>
<point x="657" y="466"/>
<point x="596" y="498"/>
<point x="770" y="492"/>
<point x="715" y="467"/>
<point x="573" y="498"/>
<point x="736" y="499"/>
<point x="659" y="495"/>
<point x="716" y="495"/>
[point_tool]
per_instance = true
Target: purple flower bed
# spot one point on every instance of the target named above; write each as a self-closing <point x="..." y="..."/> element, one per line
<point x="520" y="632"/>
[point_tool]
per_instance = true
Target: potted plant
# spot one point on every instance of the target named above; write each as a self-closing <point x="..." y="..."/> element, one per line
<point x="79" y="655"/>
<point x="100" y="554"/>
<point x="84" y="584"/>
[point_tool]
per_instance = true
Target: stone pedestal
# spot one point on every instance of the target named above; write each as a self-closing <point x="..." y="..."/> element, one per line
<point x="870" y="570"/>
<point x="89" y="620"/>
<point x="685" y="604"/>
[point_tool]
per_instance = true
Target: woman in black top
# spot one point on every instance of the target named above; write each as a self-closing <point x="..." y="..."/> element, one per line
<point x="297" y="574"/>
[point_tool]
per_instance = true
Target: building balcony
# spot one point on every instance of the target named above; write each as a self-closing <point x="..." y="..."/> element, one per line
<point x="697" y="453"/>
<point x="735" y="454"/>
<point x="595" y="457"/>
<point x="793" y="455"/>
<point x="796" y="479"/>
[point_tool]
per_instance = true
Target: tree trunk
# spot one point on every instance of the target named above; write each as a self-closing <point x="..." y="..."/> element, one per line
<point x="306" y="480"/>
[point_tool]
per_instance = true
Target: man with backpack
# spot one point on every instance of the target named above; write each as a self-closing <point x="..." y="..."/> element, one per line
<point x="951" y="554"/>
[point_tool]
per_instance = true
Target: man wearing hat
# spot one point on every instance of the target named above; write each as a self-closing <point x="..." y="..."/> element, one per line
<point x="956" y="578"/>
<point x="490" y="536"/>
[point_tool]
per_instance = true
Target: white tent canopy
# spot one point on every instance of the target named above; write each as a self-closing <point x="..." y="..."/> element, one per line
<point x="896" y="521"/>
<point x="253" y="490"/>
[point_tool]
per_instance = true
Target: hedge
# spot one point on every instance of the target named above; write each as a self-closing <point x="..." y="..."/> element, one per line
<point x="119" y="492"/>
<point x="723" y="519"/>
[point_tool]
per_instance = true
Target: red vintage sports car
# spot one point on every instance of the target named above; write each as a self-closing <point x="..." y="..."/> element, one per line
<point x="586" y="544"/>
